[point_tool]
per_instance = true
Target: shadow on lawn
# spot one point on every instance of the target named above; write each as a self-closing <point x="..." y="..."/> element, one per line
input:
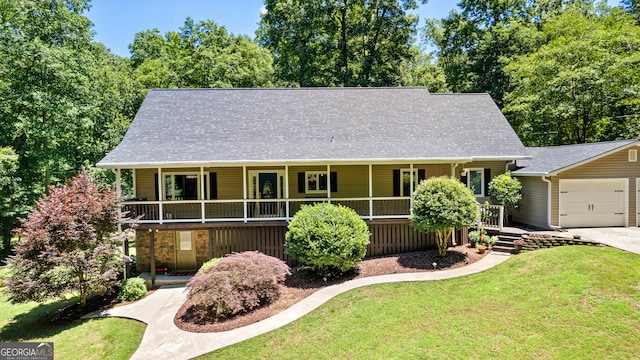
<point x="46" y="320"/>
<point x="36" y="323"/>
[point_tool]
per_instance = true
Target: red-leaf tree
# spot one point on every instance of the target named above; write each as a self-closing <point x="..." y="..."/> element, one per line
<point x="68" y="244"/>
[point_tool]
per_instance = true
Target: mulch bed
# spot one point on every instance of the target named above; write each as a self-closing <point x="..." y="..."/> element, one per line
<point x="301" y="284"/>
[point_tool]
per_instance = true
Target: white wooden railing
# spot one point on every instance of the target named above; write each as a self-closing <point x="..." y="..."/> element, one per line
<point x="491" y="217"/>
<point x="258" y="209"/>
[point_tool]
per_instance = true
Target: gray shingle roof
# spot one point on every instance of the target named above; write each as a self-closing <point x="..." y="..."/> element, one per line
<point x="209" y="126"/>
<point x="547" y="160"/>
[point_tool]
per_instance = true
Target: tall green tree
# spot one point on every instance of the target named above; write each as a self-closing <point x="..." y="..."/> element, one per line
<point x="339" y="42"/>
<point x="65" y="100"/>
<point x="11" y="197"/>
<point x="584" y="85"/>
<point x="475" y="42"/>
<point x="201" y="55"/>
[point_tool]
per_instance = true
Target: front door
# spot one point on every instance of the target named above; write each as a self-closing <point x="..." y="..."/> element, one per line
<point x="267" y="186"/>
<point x="185" y="251"/>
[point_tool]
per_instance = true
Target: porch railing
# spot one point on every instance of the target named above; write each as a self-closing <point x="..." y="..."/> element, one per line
<point x="491" y="217"/>
<point x="258" y="209"/>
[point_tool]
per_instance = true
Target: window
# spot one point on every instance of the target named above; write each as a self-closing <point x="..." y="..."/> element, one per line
<point x="633" y="155"/>
<point x="475" y="181"/>
<point x="315" y="182"/>
<point x="405" y="174"/>
<point x="181" y="186"/>
<point x="185" y="240"/>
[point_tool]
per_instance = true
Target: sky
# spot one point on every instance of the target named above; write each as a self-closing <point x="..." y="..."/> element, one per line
<point x="117" y="21"/>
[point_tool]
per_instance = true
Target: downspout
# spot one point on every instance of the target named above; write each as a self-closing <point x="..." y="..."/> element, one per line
<point x="545" y="179"/>
<point x="506" y="166"/>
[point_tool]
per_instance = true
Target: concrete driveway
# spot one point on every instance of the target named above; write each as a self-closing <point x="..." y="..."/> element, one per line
<point x="622" y="238"/>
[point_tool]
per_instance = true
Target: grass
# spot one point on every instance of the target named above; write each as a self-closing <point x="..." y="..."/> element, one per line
<point x="571" y="302"/>
<point x="85" y="339"/>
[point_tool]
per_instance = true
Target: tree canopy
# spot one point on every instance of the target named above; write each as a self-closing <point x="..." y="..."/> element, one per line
<point x="583" y="85"/>
<point x="339" y="42"/>
<point x="200" y="55"/>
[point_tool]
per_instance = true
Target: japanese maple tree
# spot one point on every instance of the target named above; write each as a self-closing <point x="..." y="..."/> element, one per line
<point x="69" y="244"/>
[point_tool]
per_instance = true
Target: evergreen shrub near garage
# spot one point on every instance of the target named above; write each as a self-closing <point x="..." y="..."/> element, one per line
<point x="237" y="283"/>
<point x="325" y="237"/>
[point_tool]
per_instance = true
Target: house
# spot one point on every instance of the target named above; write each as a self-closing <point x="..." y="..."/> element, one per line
<point x="583" y="185"/>
<point x="222" y="170"/>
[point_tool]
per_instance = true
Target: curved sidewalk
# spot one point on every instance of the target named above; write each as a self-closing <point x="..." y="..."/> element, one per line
<point x="164" y="340"/>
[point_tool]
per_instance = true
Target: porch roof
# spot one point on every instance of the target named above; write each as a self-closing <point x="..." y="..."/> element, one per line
<point x="176" y="127"/>
<point x="551" y="160"/>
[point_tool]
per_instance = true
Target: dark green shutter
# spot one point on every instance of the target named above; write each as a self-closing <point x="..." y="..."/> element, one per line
<point x="333" y="178"/>
<point x="463" y="179"/>
<point x="301" y="182"/>
<point x="396" y="182"/>
<point x="421" y="175"/>
<point x="487" y="178"/>
<point x="155" y="186"/>
<point x="213" y="186"/>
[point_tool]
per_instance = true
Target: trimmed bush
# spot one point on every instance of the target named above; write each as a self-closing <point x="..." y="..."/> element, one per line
<point x="132" y="289"/>
<point x="323" y="237"/>
<point x="237" y="283"/>
<point x="207" y="265"/>
<point x="506" y="191"/>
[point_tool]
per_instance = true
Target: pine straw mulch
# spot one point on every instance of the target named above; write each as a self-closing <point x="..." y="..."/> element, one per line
<point x="301" y="284"/>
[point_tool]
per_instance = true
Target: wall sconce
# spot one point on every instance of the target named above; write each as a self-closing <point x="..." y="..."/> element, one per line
<point x="463" y="172"/>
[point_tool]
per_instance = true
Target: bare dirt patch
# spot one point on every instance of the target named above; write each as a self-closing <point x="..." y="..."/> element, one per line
<point x="301" y="284"/>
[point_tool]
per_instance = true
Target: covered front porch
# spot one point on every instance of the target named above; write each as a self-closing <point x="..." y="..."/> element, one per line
<point x="275" y="193"/>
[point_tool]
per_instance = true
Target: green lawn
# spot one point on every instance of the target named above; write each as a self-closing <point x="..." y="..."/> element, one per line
<point x="573" y="302"/>
<point x="86" y="339"/>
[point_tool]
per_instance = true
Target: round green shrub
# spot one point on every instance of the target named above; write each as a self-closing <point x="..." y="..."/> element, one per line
<point x="324" y="236"/>
<point x="132" y="289"/>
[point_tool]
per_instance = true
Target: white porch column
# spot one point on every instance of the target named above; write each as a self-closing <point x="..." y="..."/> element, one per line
<point x="160" y="212"/>
<point x="244" y="191"/>
<point x="370" y="193"/>
<point x="119" y="195"/>
<point x="286" y="190"/>
<point x="202" y="187"/>
<point x="328" y="183"/>
<point x="410" y="188"/>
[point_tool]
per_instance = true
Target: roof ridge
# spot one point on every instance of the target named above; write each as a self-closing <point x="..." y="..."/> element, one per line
<point x="583" y="144"/>
<point x="297" y="89"/>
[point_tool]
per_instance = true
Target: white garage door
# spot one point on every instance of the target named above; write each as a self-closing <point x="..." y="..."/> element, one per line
<point x="592" y="203"/>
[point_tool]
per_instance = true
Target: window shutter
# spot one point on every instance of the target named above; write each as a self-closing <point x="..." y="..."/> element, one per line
<point x="463" y="179"/>
<point x="487" y="178"/>
<point x="213" y="186"/>
<point x="333" y="178"/>
<point x="301" y="182"/>
<point x="421" y="175"/>
<point x="155" y="186"/>
<point x="396" y="182"/>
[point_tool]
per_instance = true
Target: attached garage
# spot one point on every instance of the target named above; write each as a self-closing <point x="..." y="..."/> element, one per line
<point x="583" y="185"/>
<point x="593" y="203"/>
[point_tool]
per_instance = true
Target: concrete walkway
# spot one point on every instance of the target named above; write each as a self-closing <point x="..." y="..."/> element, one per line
<point x="164" y="340"/>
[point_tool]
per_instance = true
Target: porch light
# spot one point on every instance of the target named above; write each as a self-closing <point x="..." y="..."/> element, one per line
<point x="464" y="171"/>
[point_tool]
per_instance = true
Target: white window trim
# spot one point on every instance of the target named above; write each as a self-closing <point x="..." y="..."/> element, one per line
<point x="173" y="183"/>
<point x="633" y="155"/>
<point x="482" y="181"/>
<point x="306" y="182"/>
<point x="415" y="180"/>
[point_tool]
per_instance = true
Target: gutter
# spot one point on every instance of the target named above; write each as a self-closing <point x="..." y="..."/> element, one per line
<point x="545" y="179"/>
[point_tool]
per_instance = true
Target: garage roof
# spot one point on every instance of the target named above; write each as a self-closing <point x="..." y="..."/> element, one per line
<point x="553" y="159"/>
<point x="218" y="126"/>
